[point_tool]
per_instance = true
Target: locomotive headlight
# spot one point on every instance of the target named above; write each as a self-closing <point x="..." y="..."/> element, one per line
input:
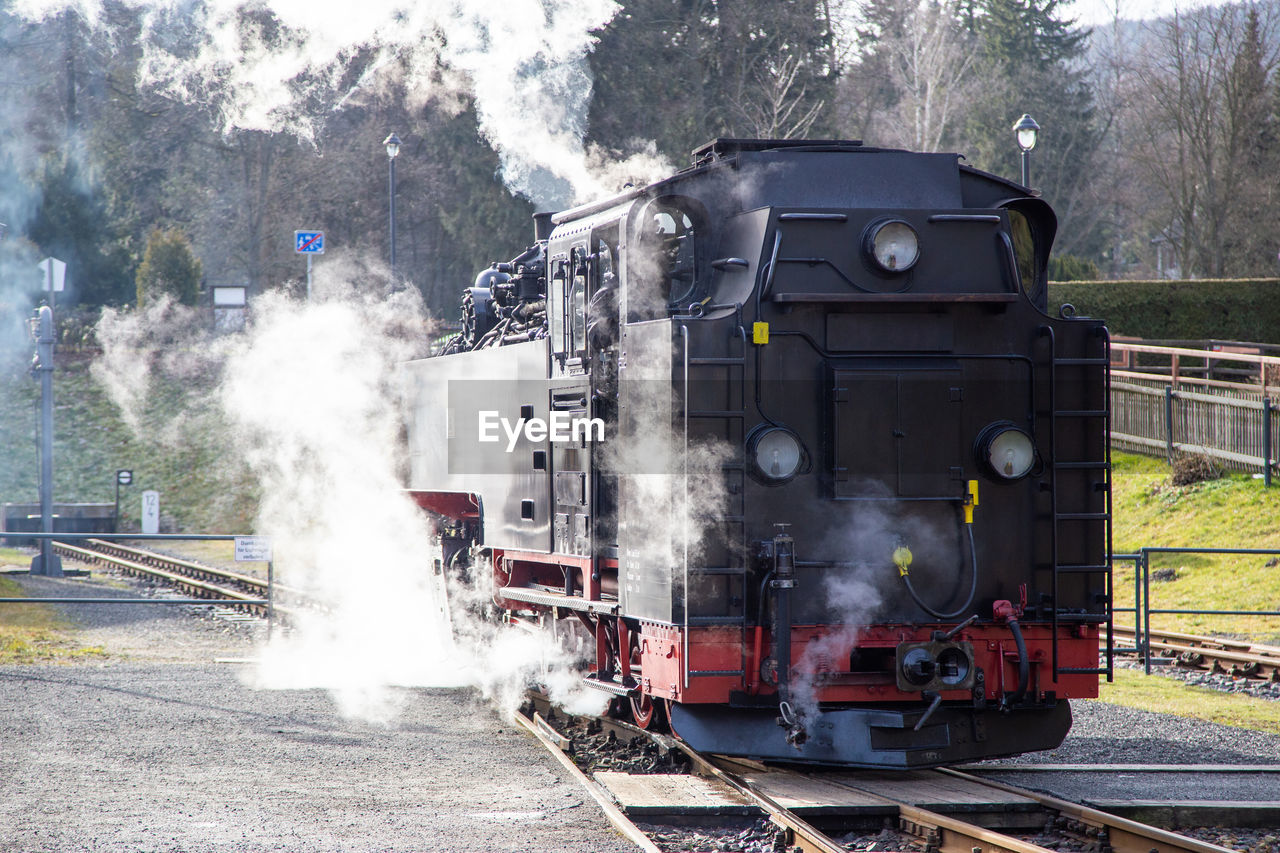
<point x="776" y="453"/>
<point x="1007" y="451"/>
<point x="892" y="245"/>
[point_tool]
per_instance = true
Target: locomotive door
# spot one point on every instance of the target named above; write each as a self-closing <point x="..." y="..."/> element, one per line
<point x="897" y="434"/>
<point x="571" y="529"/>
<point x="589" y="323"/>
<point x="570" y="397"/>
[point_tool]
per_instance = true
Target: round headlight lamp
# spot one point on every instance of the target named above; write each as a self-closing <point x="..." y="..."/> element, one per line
<point x="1008" y="452"/>
<point x="892" y="245"/>
<point x="776" y="454"/>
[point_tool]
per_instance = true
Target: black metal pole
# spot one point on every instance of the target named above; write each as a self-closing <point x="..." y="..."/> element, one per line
<point x="1146" y="611"/>
<point x="47" y="563"/>
<point x="1026" y="168"/>
<point x="391" y="161"/>
<point x="115" y="515"/>
<point x="271" y="598"/>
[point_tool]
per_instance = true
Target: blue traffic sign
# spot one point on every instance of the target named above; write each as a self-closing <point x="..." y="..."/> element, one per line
<point x="308" y="242"/>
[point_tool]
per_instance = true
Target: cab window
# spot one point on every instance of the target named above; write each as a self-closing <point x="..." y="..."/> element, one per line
<point x="663" y="268"/>
<point x="556" y="305"/>
<point x="578" y="313"/>
<point x="1024" y="250"/>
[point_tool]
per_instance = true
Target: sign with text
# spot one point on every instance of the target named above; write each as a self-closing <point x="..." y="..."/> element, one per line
<point x="150" y="512"/>
<point x="253" y="549"/>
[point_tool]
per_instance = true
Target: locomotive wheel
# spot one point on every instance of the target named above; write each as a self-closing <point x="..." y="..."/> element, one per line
<point x="646" y="712"/>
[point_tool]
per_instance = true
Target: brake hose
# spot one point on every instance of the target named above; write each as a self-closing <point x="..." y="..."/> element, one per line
<point x="1024" y="664"/>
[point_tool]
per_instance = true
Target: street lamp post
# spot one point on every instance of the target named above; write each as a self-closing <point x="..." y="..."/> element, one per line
<point x="393" y="148"/>
<point x="1026" y="132"/>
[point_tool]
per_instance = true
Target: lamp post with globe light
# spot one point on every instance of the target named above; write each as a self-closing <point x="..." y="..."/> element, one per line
<point x="1026" y="132"/>
<point x="392" y="142"/>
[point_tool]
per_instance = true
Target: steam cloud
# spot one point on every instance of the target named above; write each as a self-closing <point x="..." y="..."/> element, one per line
<point x="308" y="396"/>
<point x="863" y="538"/>
<point x="283" y="65"/>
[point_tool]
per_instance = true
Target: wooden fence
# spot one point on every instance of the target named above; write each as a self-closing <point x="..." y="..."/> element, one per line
<point x="1218" y="402"/>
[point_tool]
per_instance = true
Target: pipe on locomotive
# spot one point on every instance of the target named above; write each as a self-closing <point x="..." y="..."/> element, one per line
<point x="902" y="559"/>
<point x="1004" y="610"/>
<point x="784" y="580"/>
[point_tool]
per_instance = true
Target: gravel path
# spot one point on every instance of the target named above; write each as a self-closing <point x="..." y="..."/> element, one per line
<point x="1113" y="734"/>
<point x="185" y="757"/>
<point x="157" y="748"/>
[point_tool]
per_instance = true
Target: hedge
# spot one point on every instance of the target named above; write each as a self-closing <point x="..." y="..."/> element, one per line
<point x="1224" y="309"/>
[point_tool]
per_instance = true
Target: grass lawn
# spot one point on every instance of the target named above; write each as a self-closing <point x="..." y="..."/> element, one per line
<point x="35" y="633"/>
<point x="1235" y="511"/>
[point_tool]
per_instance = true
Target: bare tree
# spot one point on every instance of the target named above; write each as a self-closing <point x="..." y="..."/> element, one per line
<point x="918" y="68"/>
<point x="1198" y="111"/>
<point x="932" y="64"/>
<point x="778" y="106"/>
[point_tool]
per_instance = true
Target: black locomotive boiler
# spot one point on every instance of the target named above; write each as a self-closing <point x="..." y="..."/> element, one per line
<point x="790" y="445"/>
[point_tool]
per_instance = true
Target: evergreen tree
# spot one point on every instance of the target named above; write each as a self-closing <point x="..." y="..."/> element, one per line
<point x="168" y="267"/>
<point x="71" y="224"/>
<point x="1033" y="61"/>
<point x="682" y="72"/>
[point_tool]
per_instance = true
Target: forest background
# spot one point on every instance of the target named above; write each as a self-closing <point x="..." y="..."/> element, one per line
<point x="1159" y="149"/>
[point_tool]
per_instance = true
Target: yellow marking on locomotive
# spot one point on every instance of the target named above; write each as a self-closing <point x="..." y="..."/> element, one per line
<point x="902" y="559"/>
<point x="760" y="333"/>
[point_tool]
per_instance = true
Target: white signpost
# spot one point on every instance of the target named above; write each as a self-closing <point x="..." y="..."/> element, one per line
<point x="257" y="549"/>
<point x="253" y="549"/>
<point x="55" y="277"/>
<point x="150" y="512"/>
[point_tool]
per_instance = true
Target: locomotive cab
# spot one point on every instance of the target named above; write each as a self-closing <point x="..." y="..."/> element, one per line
<point x="849" y="500"/>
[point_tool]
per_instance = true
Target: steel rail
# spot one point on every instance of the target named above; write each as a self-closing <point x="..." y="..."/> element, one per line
<point x="206" y="583"/>
<point x="1247" y="660"/>
<point x="615" y="815"/>
<point x="194" y="585"/>
<point x="1122" y="835"/>
<point x="800" y="833"/>
<point x="198" y="570"/>
<point x="939" y="833"/>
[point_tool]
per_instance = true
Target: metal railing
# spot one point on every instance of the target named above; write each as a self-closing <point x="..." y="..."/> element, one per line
<point x="1167" y="400"/>
<point x="1142" y="608"/>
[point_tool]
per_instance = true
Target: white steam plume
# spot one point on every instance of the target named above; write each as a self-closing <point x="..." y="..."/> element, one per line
<point x="308" y="395"/>
<point x="863" y="537"/>
<point x="282" y="65"/>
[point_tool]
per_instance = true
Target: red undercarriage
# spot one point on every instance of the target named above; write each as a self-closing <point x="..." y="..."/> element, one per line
<point x="725" y="659"/>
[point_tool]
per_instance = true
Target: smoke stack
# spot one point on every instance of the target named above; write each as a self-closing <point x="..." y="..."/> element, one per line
<point x="542" y="226"/>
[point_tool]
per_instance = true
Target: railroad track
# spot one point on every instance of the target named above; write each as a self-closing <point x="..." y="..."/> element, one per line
<point x="233" y="589"/>
<point x="1239" y="659"/>
<point x="840" y="799"/>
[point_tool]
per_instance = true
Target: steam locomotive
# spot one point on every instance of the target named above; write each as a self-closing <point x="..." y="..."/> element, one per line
<point x="790" y="445"/>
